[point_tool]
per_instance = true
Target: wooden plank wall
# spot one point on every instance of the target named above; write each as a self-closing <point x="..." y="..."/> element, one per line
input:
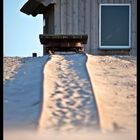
<point x="134" y="27"/>
<point x="87" y="24"/>
<point x="57" y="17"/>
<point x="82" y="16"/>
<point x="75" y="17"/>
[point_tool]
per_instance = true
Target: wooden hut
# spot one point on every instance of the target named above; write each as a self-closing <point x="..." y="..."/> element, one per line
<point x="111" y="25"/>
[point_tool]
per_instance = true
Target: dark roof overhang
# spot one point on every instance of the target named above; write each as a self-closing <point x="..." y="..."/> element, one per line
<point x="35" y="7"/>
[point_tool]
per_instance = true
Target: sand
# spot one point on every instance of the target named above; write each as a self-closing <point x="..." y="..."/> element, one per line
<point x="114" y="85"/>
<point x="22" y="92"/>
<point x="113" y="82"/>
<point x="11" y="65"/>
<point x="68" y="102"/>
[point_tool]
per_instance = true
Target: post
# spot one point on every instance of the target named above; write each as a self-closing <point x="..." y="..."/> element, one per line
<point x="34" y="54"/>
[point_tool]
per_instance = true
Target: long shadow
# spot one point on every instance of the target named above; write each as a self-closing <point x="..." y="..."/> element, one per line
<point x="22" y="95"/>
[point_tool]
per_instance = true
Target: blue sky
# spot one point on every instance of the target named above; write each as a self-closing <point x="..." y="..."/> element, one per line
<point x="21" y="32"/>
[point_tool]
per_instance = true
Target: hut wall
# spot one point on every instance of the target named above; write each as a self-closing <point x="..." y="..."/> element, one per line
<point x="82" y="17"/>
<point x="48" y="27"/>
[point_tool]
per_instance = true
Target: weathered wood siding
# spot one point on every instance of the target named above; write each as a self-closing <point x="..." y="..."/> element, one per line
<point x="134" y="27"/>
<point x="82" y="17"/>
<point x="49" y="21"/>
<point x="48" y="26"/>
<point x="76" y="18"/>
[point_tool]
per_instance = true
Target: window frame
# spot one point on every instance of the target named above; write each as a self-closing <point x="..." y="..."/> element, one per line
<point x="114" y="47"/>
